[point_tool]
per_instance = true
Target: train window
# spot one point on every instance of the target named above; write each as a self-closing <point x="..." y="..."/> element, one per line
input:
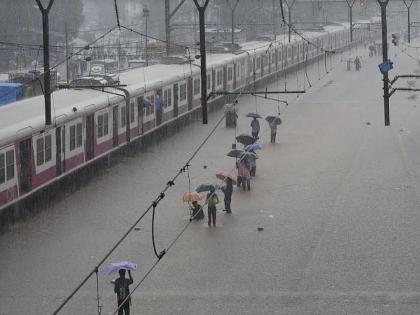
<point x="40" y="151"/>
<point x="79" y="131"/>
<point x="100" y="126"/>
<point x="48" y="148"/>
<point x="105" y="124"/>
<point x="123" y="116"/>
<point x="132" y="112"/>
<point x="167" y="98"/>
<point x="183" y="92"/>
<point x="230" y="74"/>
<point x="196" y="86"/>
<point x="72" y="137"/>
<point x="258" y="63"/>
<point x="152" y="102"/>
<point x="2" y="169"/>
<point x="10" y="164"/>
<point x="219" y="77"/>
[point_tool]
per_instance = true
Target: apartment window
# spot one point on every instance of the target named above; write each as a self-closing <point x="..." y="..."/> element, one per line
<point x="208" y="81"/>
<point x="123" y="116"/>
<point x="183" y="92"/>
<point x="196" y="86"/>
<point x="10" y="164"/>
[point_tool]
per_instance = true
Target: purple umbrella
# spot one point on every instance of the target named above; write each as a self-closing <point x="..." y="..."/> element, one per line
<point x="253" y="147"/>
<point x="113" y="267"/>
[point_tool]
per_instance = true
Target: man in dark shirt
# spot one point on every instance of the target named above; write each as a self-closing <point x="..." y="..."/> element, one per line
<point x="122" y="291"/>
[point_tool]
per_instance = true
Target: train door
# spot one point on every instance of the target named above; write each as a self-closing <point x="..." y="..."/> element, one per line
<point x="213" y="80"/>
<point x="190" y="93"/>
<point x="89" y="136"/>
<point x="115" y="126"/>
<point x="25" y="176"/>
<point x="140" y="106"/>
<point x="58" y="151"/>
<point x="234" y="75"/>
<point x="176" y="99"/>
<point x="224" y="78"/>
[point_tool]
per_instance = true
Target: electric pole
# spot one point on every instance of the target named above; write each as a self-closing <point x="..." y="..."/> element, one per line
<point x="232" y="17"/>
<point x="289" y="7"/>
<point x="67" y="53"/>
<point x="146" y="15"/>
<point x="201" y="19"/>
<point x="383" y="4"/>
<point x="168" y="17"/>
<point x="46" y="43"/>
<point x="350" y="5"/>
<point x="408" y="5"/>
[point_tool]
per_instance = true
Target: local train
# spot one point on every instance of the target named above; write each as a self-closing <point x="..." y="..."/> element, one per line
<point x="89" y="124"/>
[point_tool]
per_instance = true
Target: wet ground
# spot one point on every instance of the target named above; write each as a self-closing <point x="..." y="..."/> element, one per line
<point x="337" y="197"/>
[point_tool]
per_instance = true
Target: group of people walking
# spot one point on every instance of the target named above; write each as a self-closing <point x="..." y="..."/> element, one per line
<point x="246" y="166"/>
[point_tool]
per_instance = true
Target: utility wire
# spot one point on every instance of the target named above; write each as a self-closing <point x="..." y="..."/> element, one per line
<point x="60" y="63"/>
<point x="150" y="207"/>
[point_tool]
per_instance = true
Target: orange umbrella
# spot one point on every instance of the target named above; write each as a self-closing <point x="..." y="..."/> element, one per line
<point x="224" y="175"/>
<point x="192" y="196"/>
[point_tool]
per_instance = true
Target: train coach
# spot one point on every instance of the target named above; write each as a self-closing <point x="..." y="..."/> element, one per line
<point x="89" y="124"/>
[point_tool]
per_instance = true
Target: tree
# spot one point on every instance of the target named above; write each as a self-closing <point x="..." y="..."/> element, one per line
<point x="21" y="22"/>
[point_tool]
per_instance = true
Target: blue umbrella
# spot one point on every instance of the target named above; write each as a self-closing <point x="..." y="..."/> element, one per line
<point x="113" y="267"/>
<point x="253" y="147"/>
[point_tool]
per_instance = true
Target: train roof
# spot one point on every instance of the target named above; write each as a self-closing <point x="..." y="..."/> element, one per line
<point x="27" y="116"/>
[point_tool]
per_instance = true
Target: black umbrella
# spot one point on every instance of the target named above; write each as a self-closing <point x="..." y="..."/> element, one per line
<point x="248" y="155"/>
<point x="245" y="139"/>
<point x="204" y="187"/>
<point x="253" y="115"/>
<point x="236" y="153"/>
<point x="270" y="119"/>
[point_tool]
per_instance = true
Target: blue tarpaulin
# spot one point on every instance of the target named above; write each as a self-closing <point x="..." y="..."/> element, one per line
<point x="10" y="92"/>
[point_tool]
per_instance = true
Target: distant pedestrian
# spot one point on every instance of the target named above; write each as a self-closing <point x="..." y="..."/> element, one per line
<point x="252" y="160"/>
<point x="357" y="63"/>
<point x="228" y="190"/>
<point x="273" y="129"/>
<point x="197" y="211"/>
<point x="244" y="173"/>
<point x="122" y="290"/>
<point x="212" y="200"/>
<point x="255" y="128"/>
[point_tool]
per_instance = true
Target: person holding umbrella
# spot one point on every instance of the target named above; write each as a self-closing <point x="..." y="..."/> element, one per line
<point x="273" y="122"/>
<point x="273" y="129"/>
<point x="255" y="128"/>
<point x="244" y="173"/>
<point x="212" y="200"/>
<point x="122" y="290"/>
<point x="228" y="190"/>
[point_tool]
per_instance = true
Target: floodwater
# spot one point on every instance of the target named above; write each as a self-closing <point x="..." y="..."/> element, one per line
<point x="336" y="199"/>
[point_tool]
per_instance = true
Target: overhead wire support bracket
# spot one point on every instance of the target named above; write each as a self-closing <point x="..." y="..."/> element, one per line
<point x="406" y="76"/>
<point x="253" y="93"/>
